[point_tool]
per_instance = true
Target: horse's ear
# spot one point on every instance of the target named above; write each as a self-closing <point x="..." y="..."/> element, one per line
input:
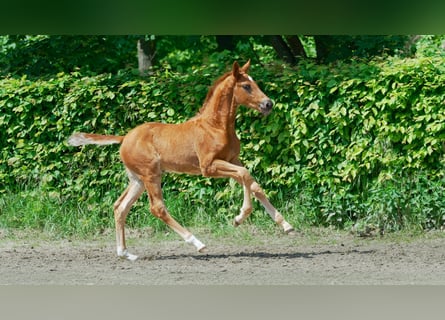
<point x="246" y="67"/>
<point x="235" y="70"/>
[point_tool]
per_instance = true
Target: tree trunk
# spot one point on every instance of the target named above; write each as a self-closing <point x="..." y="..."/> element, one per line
<point x="321" y="48"/>
<point x="146" y="54"/>
<point x="282" y="49"/>
<point x="296" y="46"/>
<point x="225" y="43"/>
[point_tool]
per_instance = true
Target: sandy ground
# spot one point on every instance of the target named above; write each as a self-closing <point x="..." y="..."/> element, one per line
<point x="324" y="259"/>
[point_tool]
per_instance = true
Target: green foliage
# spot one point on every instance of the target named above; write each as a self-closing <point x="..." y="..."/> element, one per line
<point x="332" y="47"/>
<point x="347" y="143"/>
<point x="344" y="130"/>
<point x="42" y="55"/>
<point x="430" y="45"/>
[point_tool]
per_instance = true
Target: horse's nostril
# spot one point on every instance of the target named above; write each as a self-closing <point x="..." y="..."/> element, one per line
<point x="266" y="107"/>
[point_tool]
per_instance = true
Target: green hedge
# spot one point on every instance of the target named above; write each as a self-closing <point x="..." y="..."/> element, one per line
<point x="340" y="135"/>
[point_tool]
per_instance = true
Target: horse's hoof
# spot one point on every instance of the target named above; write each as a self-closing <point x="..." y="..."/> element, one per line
<point x="132" y="257"/>
<point x="235" y="223"/>
<point x="291" y="232"/>
<point x="127" y="256"/>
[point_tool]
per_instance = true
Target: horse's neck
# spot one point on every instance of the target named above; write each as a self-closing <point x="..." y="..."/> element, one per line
<point x="220" y="110"/>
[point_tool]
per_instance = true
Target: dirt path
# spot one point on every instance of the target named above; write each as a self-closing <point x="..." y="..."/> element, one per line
<point x="262" y="259"/>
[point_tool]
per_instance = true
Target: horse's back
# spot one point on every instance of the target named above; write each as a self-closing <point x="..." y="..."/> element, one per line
<point x="161" y="147"/>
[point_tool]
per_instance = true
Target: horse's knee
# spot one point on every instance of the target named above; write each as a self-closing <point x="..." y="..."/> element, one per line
<point x="248" y="180"/>
<point x="257" y="190"/>
<point x="159" y="211"/>
<point x="208" y="169"/>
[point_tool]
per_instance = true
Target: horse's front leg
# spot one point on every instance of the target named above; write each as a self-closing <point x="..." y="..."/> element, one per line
<point x="241" y="175"/>
<point x="246" y="208"/>
<point x="271" y="210"/>
<point x="221" y="168"/>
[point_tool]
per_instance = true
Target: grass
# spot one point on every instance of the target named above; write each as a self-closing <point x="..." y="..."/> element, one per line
<point x="37" y="210"/>
<point x="399" y="207"/>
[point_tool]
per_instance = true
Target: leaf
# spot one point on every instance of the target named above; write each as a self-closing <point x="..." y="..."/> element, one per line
<point x="170" y="112"/>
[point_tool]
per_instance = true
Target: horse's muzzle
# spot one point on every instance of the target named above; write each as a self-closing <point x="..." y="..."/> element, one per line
<point x="266" y="107"/>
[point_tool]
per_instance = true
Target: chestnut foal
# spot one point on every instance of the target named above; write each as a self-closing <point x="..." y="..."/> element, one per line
<point x="204" y="145"/>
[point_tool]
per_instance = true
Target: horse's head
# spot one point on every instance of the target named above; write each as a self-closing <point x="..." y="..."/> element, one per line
<point x="246" y="91"/>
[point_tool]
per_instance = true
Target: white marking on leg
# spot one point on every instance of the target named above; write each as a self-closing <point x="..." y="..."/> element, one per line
<point x="198" y="244"/>
<point x="273" y="213"/>
<point x="278" y="218"/>
<point x="239" y="219"/>
<point x="242" y="216"/>
<point x="123" y="253"/>
<point x="287" y="227"/>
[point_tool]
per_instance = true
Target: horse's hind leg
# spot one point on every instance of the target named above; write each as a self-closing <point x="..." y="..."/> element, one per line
<point x="159" y="210"/>
<point x="121" y="208"/>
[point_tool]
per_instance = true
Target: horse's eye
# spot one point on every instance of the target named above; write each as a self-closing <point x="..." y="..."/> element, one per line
<point x="247" y="87"/>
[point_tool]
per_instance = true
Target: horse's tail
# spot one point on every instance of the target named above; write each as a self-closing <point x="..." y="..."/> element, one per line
<point x="81" y="139"/>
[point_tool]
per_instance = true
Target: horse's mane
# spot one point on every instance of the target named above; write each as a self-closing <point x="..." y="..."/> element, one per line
<point x="212" y="89"/>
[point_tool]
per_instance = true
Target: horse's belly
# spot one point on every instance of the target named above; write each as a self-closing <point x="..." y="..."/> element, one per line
<point x="189" y="165"/>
